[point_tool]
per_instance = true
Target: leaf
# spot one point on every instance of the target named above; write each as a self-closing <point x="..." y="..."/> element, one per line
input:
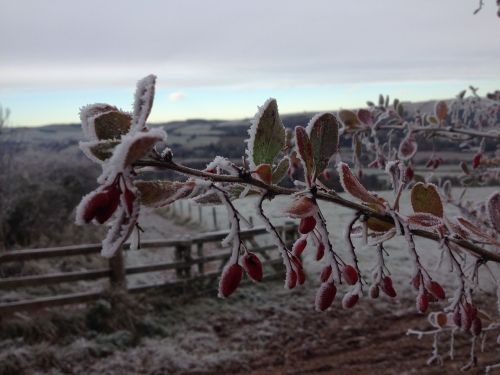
<point x="212" y="198"/>
<point x="365" y="117"/>
<point x="281" y="170"/>
<point x="441" y="110"/>
<point x="493" y="207"/>
<point x="323" y="131"/>
<point x="140" y="144"/>
<point x="349" y="119"/>
<point x="112" y="124"/>
<point x="477" y="231"/>
<point x="144" y="96"/>
<point x="352" y="185"/>
<point x="304" y="148"/>
<point x="426" y="198"/>
<point x="407" y="148"/>
<point x="424" y="220"/>
<point x="267" y="135"/>
<point x="162" y="193"/>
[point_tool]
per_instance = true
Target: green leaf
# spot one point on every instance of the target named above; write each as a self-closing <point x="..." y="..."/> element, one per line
<point x="323" y="132"/>
<point x="112" y="124"/>
<point x="426" y="198"/>
<point x="280" y="171"/>
<point x="267" y="135"/>
<point x="304" y="148"/>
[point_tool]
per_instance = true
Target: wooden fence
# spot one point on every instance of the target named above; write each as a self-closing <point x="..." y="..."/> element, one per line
<point x="189" y="263"/>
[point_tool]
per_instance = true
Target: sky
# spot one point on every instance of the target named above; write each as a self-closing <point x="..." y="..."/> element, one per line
<point x="223" y="58"/>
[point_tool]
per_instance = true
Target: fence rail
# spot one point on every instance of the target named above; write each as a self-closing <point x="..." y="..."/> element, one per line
<point x="117" y="272"/>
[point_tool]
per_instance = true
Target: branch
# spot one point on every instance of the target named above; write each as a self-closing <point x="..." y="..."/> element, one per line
<point x="328" y="197"/>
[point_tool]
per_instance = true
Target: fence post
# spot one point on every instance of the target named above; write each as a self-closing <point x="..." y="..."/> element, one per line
<point x="183" y="254"/>
<point x="117" y="274"/>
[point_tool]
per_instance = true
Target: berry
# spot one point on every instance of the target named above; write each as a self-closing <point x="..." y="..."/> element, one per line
<point x="436" y="290"/>
<point x="349" y="300"/>
<point x="230" y="280"/>
<point x="325" y="273"/>
<point x="387" y="287"/>
<point x="291" y="279"/>
<point x="320" y="251"/>
<point x="350" y="274"/>
<point x="325" y="296"/>
<point x="374" y="291"/>
<point x="253" y="266"/>
<point x="307" y="224"/>
<point x="299" y="246"/>
<point x="422" y="303"/>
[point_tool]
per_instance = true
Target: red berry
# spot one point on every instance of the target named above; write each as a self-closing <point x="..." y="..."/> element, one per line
<point x="476" y="160"/>
<point x="230" y="280"/>
<point x="466" y="320"/>
<point x="436" y="290"/>
<point x="422" y="302"/>
<point x="350" y="274"/>
<point x="296" y="262"/>
<point x="307" y="224"/>
<point x="299" y="246"/>
<point x="325" y="273"/>
<point x="320" y="251"/>
<point x="416" y="281"/>
<point x="105" y="212"/>
<point x="253" y="266"/>
<point x="387" y="287"/>
<point x="129" y="200"/>
<point x="349" y="300"/>
<point x="291" y="279"/>
<point x="95" y="204"/>
<point x="325" y="296"/>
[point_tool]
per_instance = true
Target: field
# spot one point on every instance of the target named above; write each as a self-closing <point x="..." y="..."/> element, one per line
<point x="262" y="329"/>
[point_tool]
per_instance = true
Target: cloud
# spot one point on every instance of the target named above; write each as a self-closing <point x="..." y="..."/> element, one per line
<point x="176" y="96"/>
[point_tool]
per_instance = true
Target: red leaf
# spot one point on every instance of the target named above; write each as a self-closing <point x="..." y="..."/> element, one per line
<point x="301" y="206"/>
<point x="325" y="296"/>
<point x="253" y="266"/>
<point x="230" y="280"/>
<point x="352" y="185"/>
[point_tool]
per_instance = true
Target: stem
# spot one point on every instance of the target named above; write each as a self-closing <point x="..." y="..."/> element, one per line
<point x="327" y="197"/>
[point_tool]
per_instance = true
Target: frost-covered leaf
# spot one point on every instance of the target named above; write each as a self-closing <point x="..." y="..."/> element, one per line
<point x="98" y="151"/>
<point x="264" y="173"/>
<point x="365" y="116"/>
<point x="351" y="184"/>
<point x="424" y="220"/>
<point x="103" y="121"/>
<point x="212" y="198"/>
<point x="441" y="110"/>
<point x="349" y="119"/>
<point x="135" y="146"/>
<point x="493" y="206"/>
<point x="426" y="198"/>
<point x="304" y="148"/>
<point x="323" y="131"/>
<point x="381" y="237"/>
<point x="144" y="96"/>
<point x="407" y="148"/>
<point x="301" y="206"/>
<point x="477" y="231"/>
<point x="281" y="170"/>
<point x="267" y="135"/>
<point x="162" y="193"/>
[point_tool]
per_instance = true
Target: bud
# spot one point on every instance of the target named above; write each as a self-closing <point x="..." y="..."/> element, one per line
<point x="230" y="280"/>
<point x="299" y="246"/>
<point x="325" y="296"/>
<point x="320" y="251"/>
<point x="307" y="224"/>
<point x="325" y="273"/>
<point x="349" y="300"/>
<point x="253" y="266"/>
<point x="374" y="291"/>
<point x="350" y="274"/>
<point x="387" y="287"/>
